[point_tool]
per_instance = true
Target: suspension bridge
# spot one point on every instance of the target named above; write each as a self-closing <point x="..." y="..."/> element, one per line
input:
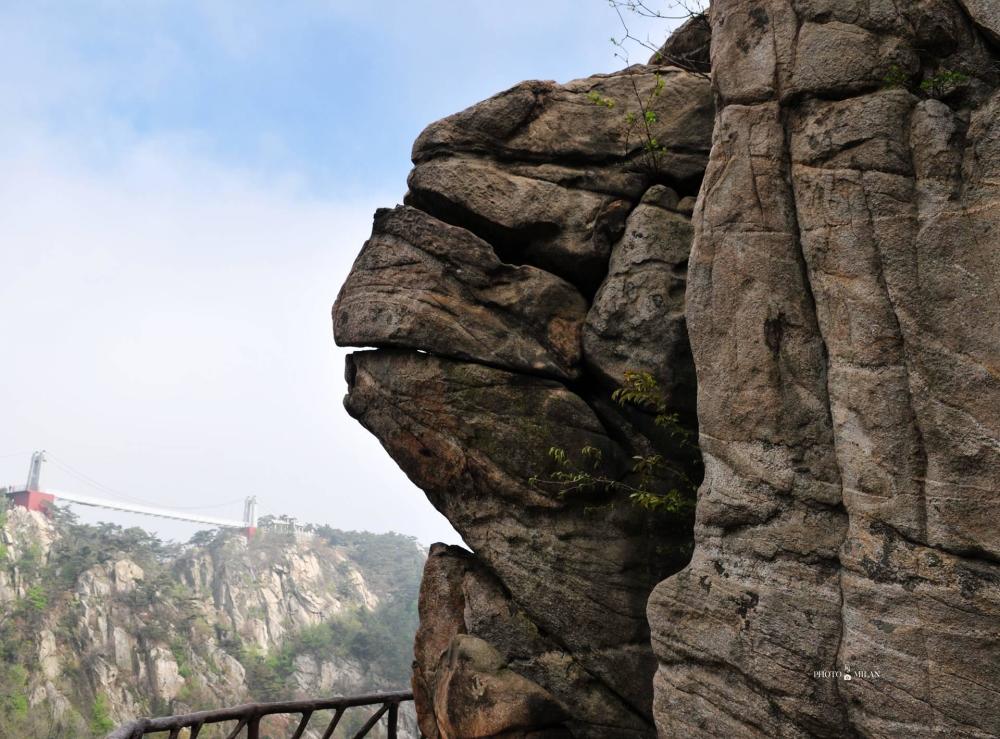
<point x="33" y="497"/>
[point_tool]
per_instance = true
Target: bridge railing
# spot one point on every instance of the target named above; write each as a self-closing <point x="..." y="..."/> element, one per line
<point x="248" y="718"/>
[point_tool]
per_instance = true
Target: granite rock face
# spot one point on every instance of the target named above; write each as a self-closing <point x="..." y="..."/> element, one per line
<point x="638" y="311"/>
<point x="546" y="175"/>
<point x="843" y="314"/>
<point x="505" y="299"/>
<point x="836" y="328"/>
<point x="689" y="47"/>
<point x="421" y="281"/>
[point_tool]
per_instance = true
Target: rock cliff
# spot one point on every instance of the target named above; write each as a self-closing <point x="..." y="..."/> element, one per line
<point x="539" y="255"/>
<point x="842" y="310"/>
<point x="834" y="325"/>
<point x="102" y="625"/>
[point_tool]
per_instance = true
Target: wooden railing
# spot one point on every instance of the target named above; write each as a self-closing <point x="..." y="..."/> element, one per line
<point x="249" y="716"/>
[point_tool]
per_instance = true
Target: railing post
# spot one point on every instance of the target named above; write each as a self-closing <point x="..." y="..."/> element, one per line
<point x="393" y="719"/>
<point x="253" y="728"/>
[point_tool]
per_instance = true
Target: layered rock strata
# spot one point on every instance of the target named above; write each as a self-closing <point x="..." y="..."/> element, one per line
<point x="540" y="253"/>
<point x="843" y="313"/>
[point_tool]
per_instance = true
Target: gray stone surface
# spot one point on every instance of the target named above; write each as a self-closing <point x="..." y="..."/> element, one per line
<point x="471" y="437"/>
<point x="545" y="172"/>
<point x="843" y="318"/>
<point x="688" y="47"/>
<point x="459" y="595"/>
<point x="986" y="14"/>
<point x="423" y="284"/>
<point x="466" y="291"/>
<point x="637" y="319"/>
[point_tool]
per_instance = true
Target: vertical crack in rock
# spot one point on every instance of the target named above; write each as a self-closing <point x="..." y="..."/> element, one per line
<point x="842" y="723"/>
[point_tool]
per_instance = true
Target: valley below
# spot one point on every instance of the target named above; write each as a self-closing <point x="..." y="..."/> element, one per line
<point x="100" y="624"/>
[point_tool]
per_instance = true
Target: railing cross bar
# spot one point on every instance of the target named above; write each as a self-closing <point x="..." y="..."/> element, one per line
<point x="363" y="731"/>
<point x="306" y="715"/>
<point x="239" y="727"/>
<point x="333" y="723"/>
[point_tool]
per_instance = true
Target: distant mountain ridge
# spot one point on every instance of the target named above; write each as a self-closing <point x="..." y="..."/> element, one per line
<point x="100" y="624"/>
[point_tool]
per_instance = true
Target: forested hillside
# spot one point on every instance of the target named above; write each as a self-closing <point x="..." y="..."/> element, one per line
<point x="100" y="624"/>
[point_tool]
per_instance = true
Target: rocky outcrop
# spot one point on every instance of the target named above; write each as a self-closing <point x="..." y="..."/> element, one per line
<point x="102" y="625"/>
<point x="545" y="172"/>
<point x="842" y="309"/>
<point x="461" y="596"/>
<point x="541" y="253"/>
<point x="688" y="47"/>
<point x="421" y="281"/>
<point x="841" y="304"/>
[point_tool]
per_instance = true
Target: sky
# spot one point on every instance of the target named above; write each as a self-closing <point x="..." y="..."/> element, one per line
<point x="183" y="188"/>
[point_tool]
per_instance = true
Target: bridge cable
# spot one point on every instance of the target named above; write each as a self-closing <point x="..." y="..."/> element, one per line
<point x="157" y="504"/>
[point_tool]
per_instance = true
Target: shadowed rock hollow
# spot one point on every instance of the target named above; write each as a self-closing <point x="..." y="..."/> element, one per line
<point x="841" y="300"/>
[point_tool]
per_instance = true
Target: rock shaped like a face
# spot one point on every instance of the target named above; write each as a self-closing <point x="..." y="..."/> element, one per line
<point x="843" y="318"/>
<point x="476" y="293"/>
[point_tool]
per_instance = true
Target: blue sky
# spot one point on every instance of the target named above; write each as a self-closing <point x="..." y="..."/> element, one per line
<point x="183" y="187"/>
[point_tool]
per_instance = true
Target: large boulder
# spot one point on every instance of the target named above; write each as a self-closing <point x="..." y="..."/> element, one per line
<point x="843" y="317"/>
<point x="580" y="565"/>
<point x="460" y="596"/>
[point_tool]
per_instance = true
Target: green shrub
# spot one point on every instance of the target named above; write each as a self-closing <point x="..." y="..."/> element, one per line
<point x="943" y="83"/>
<point x="100" y="712"/>
<point x="935" y="86"/>
<point x="647" y="474"/>
<point x="36" y="598"/>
